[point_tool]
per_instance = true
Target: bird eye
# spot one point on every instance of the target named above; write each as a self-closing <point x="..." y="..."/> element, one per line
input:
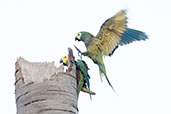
<point x="78" y="37"/>
<point x="79" y="34"/>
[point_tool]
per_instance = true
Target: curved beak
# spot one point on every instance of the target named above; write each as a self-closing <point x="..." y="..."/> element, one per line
<point x="65" y="64"/>
<point x="61" y="61"/>
<point x="77" y="39"/>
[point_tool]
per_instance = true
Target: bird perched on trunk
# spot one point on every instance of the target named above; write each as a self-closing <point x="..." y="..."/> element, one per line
<point x="113" y="32"/>
<point x="81" y="75"/>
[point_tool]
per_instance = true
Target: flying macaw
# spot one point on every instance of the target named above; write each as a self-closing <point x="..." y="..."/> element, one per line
<point x="113" y="32"/>
<point x="82" y="75"/>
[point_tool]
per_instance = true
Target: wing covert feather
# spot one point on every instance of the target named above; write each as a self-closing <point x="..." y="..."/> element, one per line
<point x="111" y="33"/>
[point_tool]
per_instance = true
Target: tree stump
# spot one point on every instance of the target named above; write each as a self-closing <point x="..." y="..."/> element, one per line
<point x="41" y="88"/>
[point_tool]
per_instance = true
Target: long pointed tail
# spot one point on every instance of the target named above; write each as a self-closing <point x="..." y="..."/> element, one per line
<point x="100" y="75"/>
<point x="103" y="70"/>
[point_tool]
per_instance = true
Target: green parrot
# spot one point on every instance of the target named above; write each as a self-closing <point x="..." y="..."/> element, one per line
<point x="113" y="32"/>
<point x="82" y="75"/>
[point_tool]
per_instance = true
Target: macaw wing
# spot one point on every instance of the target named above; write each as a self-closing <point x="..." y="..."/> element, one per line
<point x="84" y="65"/>
<point x="131" y="35"/>
<point x="80" y="83"/>
<point x="84" y="70"/>
<point x="111" y="33"/>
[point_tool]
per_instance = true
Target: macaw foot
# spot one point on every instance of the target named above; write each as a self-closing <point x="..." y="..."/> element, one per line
<point x="79" y="52"/>
<point x="84" y="54"/>
<point x="77" y="49"/>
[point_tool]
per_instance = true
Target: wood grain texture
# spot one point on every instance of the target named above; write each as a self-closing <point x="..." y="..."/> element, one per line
<point x="41" y="88"/>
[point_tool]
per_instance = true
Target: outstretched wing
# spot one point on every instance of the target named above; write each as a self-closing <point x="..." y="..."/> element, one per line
<point x="131" y="35"/>
<point x="111" y="33"/>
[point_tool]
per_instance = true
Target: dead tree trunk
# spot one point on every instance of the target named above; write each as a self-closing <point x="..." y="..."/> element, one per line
<point x="41" y="88"/>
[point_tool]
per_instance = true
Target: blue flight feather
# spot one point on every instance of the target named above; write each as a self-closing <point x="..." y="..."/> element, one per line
<point x="131" y="35"/>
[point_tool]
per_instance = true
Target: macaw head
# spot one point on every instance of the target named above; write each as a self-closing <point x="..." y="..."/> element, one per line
<point x="81" y="36"/>
<point x="64" y="60"/>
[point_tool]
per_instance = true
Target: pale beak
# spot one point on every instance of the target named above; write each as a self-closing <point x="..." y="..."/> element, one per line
<point x="77" y="39"/>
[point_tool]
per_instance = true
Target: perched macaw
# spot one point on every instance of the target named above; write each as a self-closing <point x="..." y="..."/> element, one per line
<point x="81" y="75"/>
<point x="113" y="32"/>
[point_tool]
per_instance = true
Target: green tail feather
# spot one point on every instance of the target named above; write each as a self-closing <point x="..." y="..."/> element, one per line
<point x="103" y="70"/>
<point x="100" y="75"/>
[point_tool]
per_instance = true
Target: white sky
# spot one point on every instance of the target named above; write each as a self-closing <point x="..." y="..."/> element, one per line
<point x="42" y="30"/>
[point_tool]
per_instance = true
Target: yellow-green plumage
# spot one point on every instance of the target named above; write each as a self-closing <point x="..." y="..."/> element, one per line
<point x="113" y="32"/>
<point x="80" y="83"/>
<point x="95" y="54"/>
<point x="82" y="75"/>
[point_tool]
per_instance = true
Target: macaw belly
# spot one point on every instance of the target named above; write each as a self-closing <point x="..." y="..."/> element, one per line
<point x="94" y="53"/>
